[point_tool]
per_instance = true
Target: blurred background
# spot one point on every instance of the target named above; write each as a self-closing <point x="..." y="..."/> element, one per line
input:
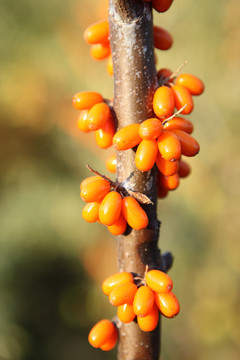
<point x="52" y="263"/>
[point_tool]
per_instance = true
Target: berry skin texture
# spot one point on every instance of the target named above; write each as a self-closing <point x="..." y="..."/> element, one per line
<point x="170" y="182"/>
<point x="169" y="146"/>
<point x="162" y="38"/>
<point x="146" y="155"/>
<point x="180" y="124"/>
<point x="149" y="322"/>
<point x="134" y="214"/>
<point x="168" y="304"/>
<point x="191" y="82"/>
<point x="86" y="99"/>
<point x="127" y="137"/>
<point x="88" y="180"/>
<point x="104" y="136"/>
<point x="97" y="32"/>
<point x="100" y="51"/>
<point x="167" y="168"/>
<point x="150" y="129"/>
<point x="112" y="341"/>
<point x="126" y="313"/>
<point x="119" y="227"/>
<point x="82" y="122"/>
<point x="101" y="333"/>
<point x="143" y="301"/>
<point x="184" y="169"/>
<point x="98" y="115"/>
<point x="111" y="163"/>
<point x="159" y="281"/>
<point x="110" y="208"/>
<point x="182" y="97"/>
<point x="189" y="146"/>
<point x="163" y="102"/>
<point x="123" y="294"/>
<point x="90" y="212"/>
<point x="161" y="5"/>
<point x="95" y="190"/>
<point x="116" y="280"/>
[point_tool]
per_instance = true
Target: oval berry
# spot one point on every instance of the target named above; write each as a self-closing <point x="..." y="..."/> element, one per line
<point x="88" y="180"/>
<point x="150" y="129"/>
<point x="169" y="146"/>
<point x="159" y="281"/>
<point x="110" y="208"/>
<point x="116" y="280"/>
<point x="119" y="227"/>
<point x="100" y="51"/>
<point x="167" y="304"/>
<point x="111" y="163"/>
<point x="167" y="168"/>
<point x="126" y="313"/>
<point x="191" y="82"/>
<point x="111" y="342"/>
<point x="104" y="136"/>
<point x="163" y="102"/>
<point x="90" y="212"/>
<point x="161" y="5"/>
<point x="101" y="333"/>
<point x="95" y="190"/>
<point x="162" y="38"/>
<point x="98" y="115"/>
<point x="170" y="182"/>
<point x="189" y="145"/>
<point x="149" y="322"/>
<point x="134" y="213"/>
<point x="82" y="122"/>
<point x="182" y="97"/>
<point x="146" y="155"/>
<point x="86" y="99"/>
<point x="127" y="137"/>
<point x="97" y="32"/>
<point x="184" y="169"/>
<point x="163" y="74"/>
<point x="143" y="301"/>
<point x="178" y="123"/>
<point x="123" y="294"/>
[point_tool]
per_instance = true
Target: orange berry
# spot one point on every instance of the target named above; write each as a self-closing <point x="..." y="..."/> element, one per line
<point x="90" y="212"/>
<point x="110" y="65"/>
<point x="167" y="168"/>
<point x="184" y="169"/>
<point x="163" y="102"/>
<point x="110" y="208"/>
<point x="101" y="333"/>
<point x="164" y="73"/>
<point x="162" y="38"/>
<point x="150" y="129"/>
<point x="100" y="51"/>
<point x="98" y="115"/>
<point x="161" y="5"/>
<point x="183" y="97"/>
<point x="126" y="313"/>
<point x="112" y="341"/>
<point x="88" y="180"/>
<point x="104" y="136"/>
<point x="123" y="294"/>
<point x="159" y="281"/>
<point x="134" y="213"/>
<point x="127" y="137"/>
<point x="146" y="155"/>
<point x="168" y="304"/>
<point x="143" y="301"/>
<point x="169" y="146"/>
<point x="191" y="82"/>
<point x="189" y="146"/>
<point x="111" y="163"/>
<point x="86" y="99"/>
<point x="179" y="123"/>
<point x="97" y="32"/>
<point x="115" y="280"/>
<point x="170" y="182"/>
<point x="95" y="190"/>
<point x="119" y="227"/>
<point x="82" y="122"/>
<point x="149" y="322"/>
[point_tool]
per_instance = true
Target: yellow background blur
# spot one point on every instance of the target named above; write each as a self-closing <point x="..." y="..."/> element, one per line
<point x="52" y="263"/>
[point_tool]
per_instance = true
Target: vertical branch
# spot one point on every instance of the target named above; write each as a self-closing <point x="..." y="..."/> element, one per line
<point x="135" y="81"/>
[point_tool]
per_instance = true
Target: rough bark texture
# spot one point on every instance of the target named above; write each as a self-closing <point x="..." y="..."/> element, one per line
<point x="134" y="84"/>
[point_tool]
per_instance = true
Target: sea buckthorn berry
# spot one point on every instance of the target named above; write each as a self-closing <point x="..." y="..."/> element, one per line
<point x="146" y="155"/>
<point x="95" y="190"/>
<point x="86" y="99"/>
<point x="189" y="146"/>
<point x="182" y="97"/>
<point x="191" y="82"/>
<point x="112" y="341"/>
<point x="116" y="280"/>
<point x="169" y="146"/>
<point x="90" y="212"/>
<point x="162" y="193"/>
<point x="179" y="123"/>
<point x="184" y="169"/>
<point x="104" y="136"/>
<point x="134" y="213"/>
<point x="159" y="281"/>
<point x="111" y="163"/>
<point x="150" y="129"/>
<point x="168" y="304"/>
<point x="88" y="180"/>
<point x="119" y="227"/>
<point x="100" y="51"/>
<point x="143" y="301"/>
<point x="126" y="313"/>
<point x="167" y="168"/>
<point x="123" y="294"/>
<point x="163" y="102"/>
<point x="110" y="65"/>
<point x="149" y="322"/>
<point x="110" y="208"/>
<point x="127" y="137"/>
<point x="164" y="73"/>
<point x="161" y="5"/>
<point x="162" y="38"/>
<point x="97" y="32"/>
<point x="170" y="182"/>
<point x="82" y="122"/>
<point x="98" y="115"/>
<point x="101" y="333"/>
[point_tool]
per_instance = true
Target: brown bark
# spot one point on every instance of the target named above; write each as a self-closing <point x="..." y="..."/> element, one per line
<point x="135" y="80"/>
